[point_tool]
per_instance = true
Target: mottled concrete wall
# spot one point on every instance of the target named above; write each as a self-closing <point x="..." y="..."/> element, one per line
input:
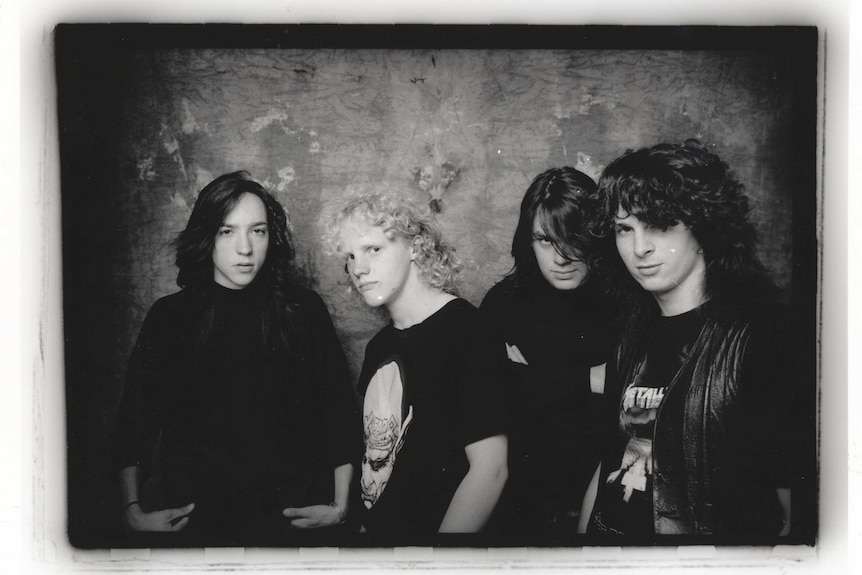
<point x="471" y="128"/>
<point x="307" y="124"/>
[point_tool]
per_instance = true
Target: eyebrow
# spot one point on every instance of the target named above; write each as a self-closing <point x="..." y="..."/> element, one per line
<point x="254" y="225"/>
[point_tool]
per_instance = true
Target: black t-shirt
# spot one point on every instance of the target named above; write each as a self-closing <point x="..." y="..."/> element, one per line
<point x="556" y="423"/>
<point x="761" y="446"/>
<point x="625" y="505"/>
<point x="429" y="391"/>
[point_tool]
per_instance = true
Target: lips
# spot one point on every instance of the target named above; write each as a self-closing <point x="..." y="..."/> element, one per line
<point x="648" y="270"/>
<point x="364" y="287"/>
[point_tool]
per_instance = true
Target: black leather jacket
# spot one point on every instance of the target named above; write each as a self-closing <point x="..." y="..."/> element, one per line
<point x="705" y="472"/>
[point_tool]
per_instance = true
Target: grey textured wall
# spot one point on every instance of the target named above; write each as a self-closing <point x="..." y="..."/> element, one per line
<point x="144" y="132"/>
<point x="307" y="124"/>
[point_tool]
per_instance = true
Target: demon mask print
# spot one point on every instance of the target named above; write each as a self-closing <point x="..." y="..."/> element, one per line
<point x="385" y="428"/>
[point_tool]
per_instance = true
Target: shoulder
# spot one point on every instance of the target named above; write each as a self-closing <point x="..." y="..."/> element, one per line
<point x="459" y="310"/>
<point x="500" y="294"/>
<point x="170" y="304"/>
<point x="305" y="298"/>
<point x="169" y="315"/>
<point x="460" y="324"/>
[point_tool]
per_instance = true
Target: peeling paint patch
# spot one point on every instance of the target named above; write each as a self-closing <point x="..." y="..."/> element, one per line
<point x="202" y="178"/>
<point x="586" y="165"/>
<point x="146" y="172"/>
<point x="560" y="113"/>
<point x="179" y="202"/>
<point x="172" y="147"/>
<point x="190" y="124"/>
<point x="268" y="119"/>
<point x="588" y="101"/>
<point x="286" y="176"/>
<point x="168" y="141"/>
<point x="314" y="148"/>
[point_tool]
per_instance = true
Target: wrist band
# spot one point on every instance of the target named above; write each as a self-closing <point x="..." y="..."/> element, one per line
<point x="129" y="504"/>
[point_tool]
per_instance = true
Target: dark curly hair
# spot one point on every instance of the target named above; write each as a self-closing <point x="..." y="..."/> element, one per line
<point x="562" y="199"/>
<point x="686" y="183"/>
<point x="194" y="254"/>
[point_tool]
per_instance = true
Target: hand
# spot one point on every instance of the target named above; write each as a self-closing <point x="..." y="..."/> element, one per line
<point x="137" y="519"/>
<point x="515" y="354"/>
<point x="315" y="516"/>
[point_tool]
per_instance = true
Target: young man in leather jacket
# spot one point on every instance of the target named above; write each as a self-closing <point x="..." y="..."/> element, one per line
<point x="704" y="444"/>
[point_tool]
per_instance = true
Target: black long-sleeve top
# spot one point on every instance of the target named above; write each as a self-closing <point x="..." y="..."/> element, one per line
<point x="234" y="417"/>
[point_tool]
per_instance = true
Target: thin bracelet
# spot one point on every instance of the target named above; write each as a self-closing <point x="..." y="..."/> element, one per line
<point x="129" y="504"/>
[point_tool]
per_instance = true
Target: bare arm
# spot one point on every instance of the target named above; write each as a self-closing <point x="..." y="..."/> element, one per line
<point x="325" y="515"/>
<point x="477" y="495"/>
<point x="134" y="516"/>
<point x="589" y="501"/>
<point x="784" y="500"/>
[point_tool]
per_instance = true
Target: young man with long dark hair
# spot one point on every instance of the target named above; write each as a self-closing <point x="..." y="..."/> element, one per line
<point x="238" y="425"/>
<point x="703" y="373"/>
<point x="557" y="332"/>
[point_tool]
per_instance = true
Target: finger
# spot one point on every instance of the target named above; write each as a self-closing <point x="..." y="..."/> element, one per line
<point x="179" y="525"/>
<point x="180" y="511"/>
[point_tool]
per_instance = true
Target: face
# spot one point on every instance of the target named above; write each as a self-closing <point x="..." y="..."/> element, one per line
<point x="241" y="243"/>
<point x="561" y="272"/>
<point x="379" y="263"/>
<point x="667" y="263"/>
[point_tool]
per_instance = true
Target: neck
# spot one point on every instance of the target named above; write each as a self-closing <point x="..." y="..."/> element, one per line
<point x="676" y="303"/>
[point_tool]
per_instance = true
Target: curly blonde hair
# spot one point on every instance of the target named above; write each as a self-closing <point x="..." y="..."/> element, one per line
<point x="400" y="214"/>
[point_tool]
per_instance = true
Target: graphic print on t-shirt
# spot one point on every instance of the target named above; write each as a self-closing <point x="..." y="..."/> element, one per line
<point x="385" y="428"/>
<point x="639" y="409"/>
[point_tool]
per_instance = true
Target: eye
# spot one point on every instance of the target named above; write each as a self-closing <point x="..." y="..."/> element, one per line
<point x="622" y="230"/>
<point x="543" y="240"/>
<point x="260" y="231"/>
<point x="225" y="232"/>
<point x="374" y="249"/>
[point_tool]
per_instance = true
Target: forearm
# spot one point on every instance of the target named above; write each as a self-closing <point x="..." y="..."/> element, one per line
<point x="473" y="502"/>
<point x="479" y="491"/>
<point x="129" y="485"/>
<point x="343" y="478"/>
<point x="784" y="500"/>
<point x="589" y="501"/>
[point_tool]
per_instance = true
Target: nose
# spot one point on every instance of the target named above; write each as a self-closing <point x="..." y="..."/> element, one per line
<point x="560" y="259"/>
<point x="243" y="245"/>
<point x="357" y="266"/>
<point x="643" y="243"/>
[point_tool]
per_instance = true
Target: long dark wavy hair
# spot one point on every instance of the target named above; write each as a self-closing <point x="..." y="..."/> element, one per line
<point x="276" y="279"/>
<point x="563" y="200"/>
<point x="684" y="183"/>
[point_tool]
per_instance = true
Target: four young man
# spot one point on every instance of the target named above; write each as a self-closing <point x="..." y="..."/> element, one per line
<point x="703" y="439"/>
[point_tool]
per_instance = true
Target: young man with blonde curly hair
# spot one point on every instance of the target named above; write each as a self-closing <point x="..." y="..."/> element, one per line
<point x="435" y="449"/>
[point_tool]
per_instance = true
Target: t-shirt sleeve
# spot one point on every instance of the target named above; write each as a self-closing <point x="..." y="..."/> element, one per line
<point x="343" y="441"/>
<point x="480" y="387"/>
